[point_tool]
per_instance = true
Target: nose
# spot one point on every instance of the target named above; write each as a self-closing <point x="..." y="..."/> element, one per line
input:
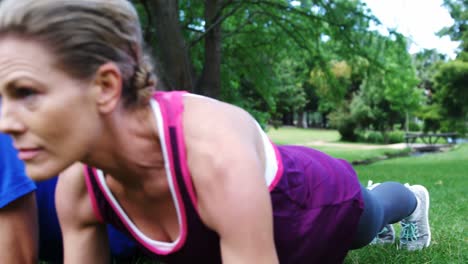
<point x="9" y="123"/>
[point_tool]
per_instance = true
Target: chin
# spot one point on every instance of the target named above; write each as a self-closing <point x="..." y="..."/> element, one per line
<point x="36" y="173"/>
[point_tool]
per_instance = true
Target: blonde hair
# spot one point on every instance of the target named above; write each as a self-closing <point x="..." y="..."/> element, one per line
<point x="83" y="35"/>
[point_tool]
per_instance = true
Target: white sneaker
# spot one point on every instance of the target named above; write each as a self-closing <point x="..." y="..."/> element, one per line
<point x="415" y="231"/>
<point x="385" y="236"/>
<point x="371" y="185"/>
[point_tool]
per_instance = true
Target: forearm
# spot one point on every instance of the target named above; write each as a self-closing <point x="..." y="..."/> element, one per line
<point x="233" y="256"/>
<point x="88" y="245"/>
<point x="18" y="229"/>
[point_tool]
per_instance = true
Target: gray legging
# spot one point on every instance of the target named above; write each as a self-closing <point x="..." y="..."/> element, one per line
<point x="387" y="203"/>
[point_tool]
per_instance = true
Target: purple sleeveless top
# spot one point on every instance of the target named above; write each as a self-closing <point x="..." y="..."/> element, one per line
<point x="316" y="202"/>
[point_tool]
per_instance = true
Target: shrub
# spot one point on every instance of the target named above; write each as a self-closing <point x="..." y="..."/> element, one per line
<point x="396" y="136"/>
<point x="374" y="137"/>
<point x="344" y="124"/>
<point x="413" y="126"/>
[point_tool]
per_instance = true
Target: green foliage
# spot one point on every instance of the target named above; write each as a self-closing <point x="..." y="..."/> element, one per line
<point x="426" y="63"/>
<point x="291" y="96"/>
<point x="280" y="58"/>
<point x="371" y="137"/>
<point x="375" y="97"/>
<point x="331" y="84"/>
<point x="272" y="45"/>
<point x="414" y="126"/>
<point x="343" y="121"/>
<point x="458" y="10"/>
<point x="451" y="78"/>
<point x="396" y="136"/>
<point x="377" y="137"/>
<point x="431" y="116"/>
<point x="451" y="82"/>
<point x="452" y="94"/>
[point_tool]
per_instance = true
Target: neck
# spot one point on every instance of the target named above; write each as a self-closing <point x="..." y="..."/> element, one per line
<point x="129" y="148"/>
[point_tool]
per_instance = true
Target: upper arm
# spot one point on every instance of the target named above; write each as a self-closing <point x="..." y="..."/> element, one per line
<point x="233" y="198"/>
<point x="83" y="235"/>
<point x="18" y="229"/>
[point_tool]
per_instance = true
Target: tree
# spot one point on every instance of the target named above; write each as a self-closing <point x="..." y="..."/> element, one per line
<point x="451" y="79"/>
<point x="458" y="10"/>
<point x="385" y="94"/>
<point x="427" y="63"/>
<point x="195" y="41"/>
<point x="451" y="92"/>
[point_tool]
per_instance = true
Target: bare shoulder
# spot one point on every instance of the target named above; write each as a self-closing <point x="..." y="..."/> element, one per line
<point x="217" y="132"/>
<point x="207" y="120"/>
<point x="224" y="152"/>
<point x="72" y="199"/>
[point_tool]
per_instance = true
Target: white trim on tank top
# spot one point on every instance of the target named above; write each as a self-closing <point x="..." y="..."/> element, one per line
<point x="271" y="167"/>
<point x="271" y="164"/>
<point x="165" y="246"/>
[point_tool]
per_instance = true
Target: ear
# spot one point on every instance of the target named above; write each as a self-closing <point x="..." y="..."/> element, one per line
<point x="108" y="81"/>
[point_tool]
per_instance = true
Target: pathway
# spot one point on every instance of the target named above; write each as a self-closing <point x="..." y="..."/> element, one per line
<point x="356" y="145"/>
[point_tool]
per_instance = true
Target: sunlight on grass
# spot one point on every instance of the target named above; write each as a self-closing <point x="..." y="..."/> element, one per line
<point x="293" y="135"/>
<point x="352" y="155"/>
<point x="444" y="174"/>
<point x="446" y="177"/>
<point x="349" y="151"/>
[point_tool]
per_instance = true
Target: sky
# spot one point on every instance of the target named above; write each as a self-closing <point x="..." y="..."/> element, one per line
<point x="417" y="19"/>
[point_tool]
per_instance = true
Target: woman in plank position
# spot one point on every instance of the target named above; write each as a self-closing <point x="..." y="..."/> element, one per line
<point x="191" y="179"/>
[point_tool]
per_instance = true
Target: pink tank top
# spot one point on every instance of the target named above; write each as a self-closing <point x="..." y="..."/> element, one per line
<point x="196" y="242"/>
<point x="315" y="198"/>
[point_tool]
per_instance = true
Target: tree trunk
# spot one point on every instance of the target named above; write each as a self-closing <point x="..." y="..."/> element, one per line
<point x="288" y="119"/>
<point x="302" y="119"/>
<point x="209" y="82"/>
<point x="177" y="70"/>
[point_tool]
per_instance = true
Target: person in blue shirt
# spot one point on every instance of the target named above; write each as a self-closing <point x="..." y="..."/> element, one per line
<point x="28" y="219"/>
<point x="18" y="218"/>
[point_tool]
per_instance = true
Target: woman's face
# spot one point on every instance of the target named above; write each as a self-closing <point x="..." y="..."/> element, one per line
<point x="51" y="117"/>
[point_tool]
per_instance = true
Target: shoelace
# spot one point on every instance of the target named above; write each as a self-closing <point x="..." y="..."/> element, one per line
<point x="384" y="231"/>
<point x="409" y="231"/>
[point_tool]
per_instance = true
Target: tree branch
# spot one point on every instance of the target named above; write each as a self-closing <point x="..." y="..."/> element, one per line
<point x="219" y="20"/>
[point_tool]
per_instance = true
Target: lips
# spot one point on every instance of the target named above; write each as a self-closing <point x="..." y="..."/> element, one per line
<point x="26" y="154"/>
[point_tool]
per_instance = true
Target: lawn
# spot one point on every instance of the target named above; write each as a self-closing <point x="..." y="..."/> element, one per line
<point x="446" y="177"/>
<point x="345" y="150"/>
<point x="293" y="135"/>
<point x="444" y="174"/>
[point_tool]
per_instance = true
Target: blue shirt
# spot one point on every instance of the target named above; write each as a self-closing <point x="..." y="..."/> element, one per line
<point x="14" y="183"/>
<point x="13" y="180"/>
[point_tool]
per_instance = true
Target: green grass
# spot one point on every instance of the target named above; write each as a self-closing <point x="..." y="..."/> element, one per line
<point x="298" y="136"/>
<point x="446" y="177"/>
<point x="351" y="154"/>
<point x="444" y="174"/>
<point x="293" y="135"/>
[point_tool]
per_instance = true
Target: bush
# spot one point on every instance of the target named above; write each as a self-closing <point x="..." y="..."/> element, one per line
<point x="374" y="137"/>
<point x="370" y="136"/>
<point x="341" y="120"/>
<point x="396" y="136"/>
<point x="413" y="126"/>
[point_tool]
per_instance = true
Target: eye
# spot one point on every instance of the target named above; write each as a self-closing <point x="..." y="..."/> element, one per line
<point x="23" y="92"/>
